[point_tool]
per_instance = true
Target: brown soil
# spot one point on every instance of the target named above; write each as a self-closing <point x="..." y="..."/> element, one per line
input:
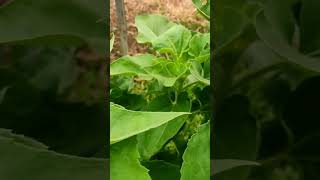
<point x="181" y="11"/>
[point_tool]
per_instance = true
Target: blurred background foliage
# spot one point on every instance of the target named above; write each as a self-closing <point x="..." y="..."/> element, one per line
<point x="266" y="87"/>
<point x="53" y="75"/>
<point x="53" y="96"/>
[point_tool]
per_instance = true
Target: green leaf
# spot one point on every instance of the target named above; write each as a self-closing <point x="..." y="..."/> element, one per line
<point x="126" y="123"/>
<point x="310" y="26"/>
<point x="221" y="165"/>
<point x="167" y="72"/>
<point x="124" y="162"/>
<point x="54" y="22"/>
<point x="24" y="158"/>
<point x="150" y="142"/>
<point x="203" y="8"/>
<point x="147" y="67"/>
<point x="196" y="158"/>
<point x="165" y="36"/>
<point x="132" y="65"/>
<point x="175" y="40"/>
<point x="160" y="170"/>
<point x="150" y="27"/>
<point x="199" y="47"/>
<point x="198" y="73"/>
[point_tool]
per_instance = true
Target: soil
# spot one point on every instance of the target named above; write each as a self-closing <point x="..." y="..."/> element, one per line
<point x="180" y="11"/>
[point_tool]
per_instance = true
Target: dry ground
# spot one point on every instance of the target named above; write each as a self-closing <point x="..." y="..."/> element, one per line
<point x="181" y="11"/>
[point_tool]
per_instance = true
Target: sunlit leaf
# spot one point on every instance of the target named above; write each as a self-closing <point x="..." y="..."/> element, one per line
<point x="196" y="158"/>
<point x="124" y="162"/>
<point x="126" y="123"/>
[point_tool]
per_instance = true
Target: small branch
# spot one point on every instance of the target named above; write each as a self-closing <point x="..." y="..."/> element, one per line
<point x="122" y="24"/>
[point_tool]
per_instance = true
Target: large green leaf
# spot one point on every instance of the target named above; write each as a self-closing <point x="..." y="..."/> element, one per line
<point x="124" y="162"/>
<point x="175" y="41"/>
<point x="126" y="123"/>
<point x="150" y="27"/>
<point x="132" y="65"/>
<point x="24" y="158"/>
<point x="51" y="22"/>
<point x="165" y="36"/>
<point x="147" y="67"/>
<point x="150" y="142"/>
<point x="196" y="158"/>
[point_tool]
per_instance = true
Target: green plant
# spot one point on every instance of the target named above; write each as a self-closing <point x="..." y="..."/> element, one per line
<point x="162" y="124"/>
